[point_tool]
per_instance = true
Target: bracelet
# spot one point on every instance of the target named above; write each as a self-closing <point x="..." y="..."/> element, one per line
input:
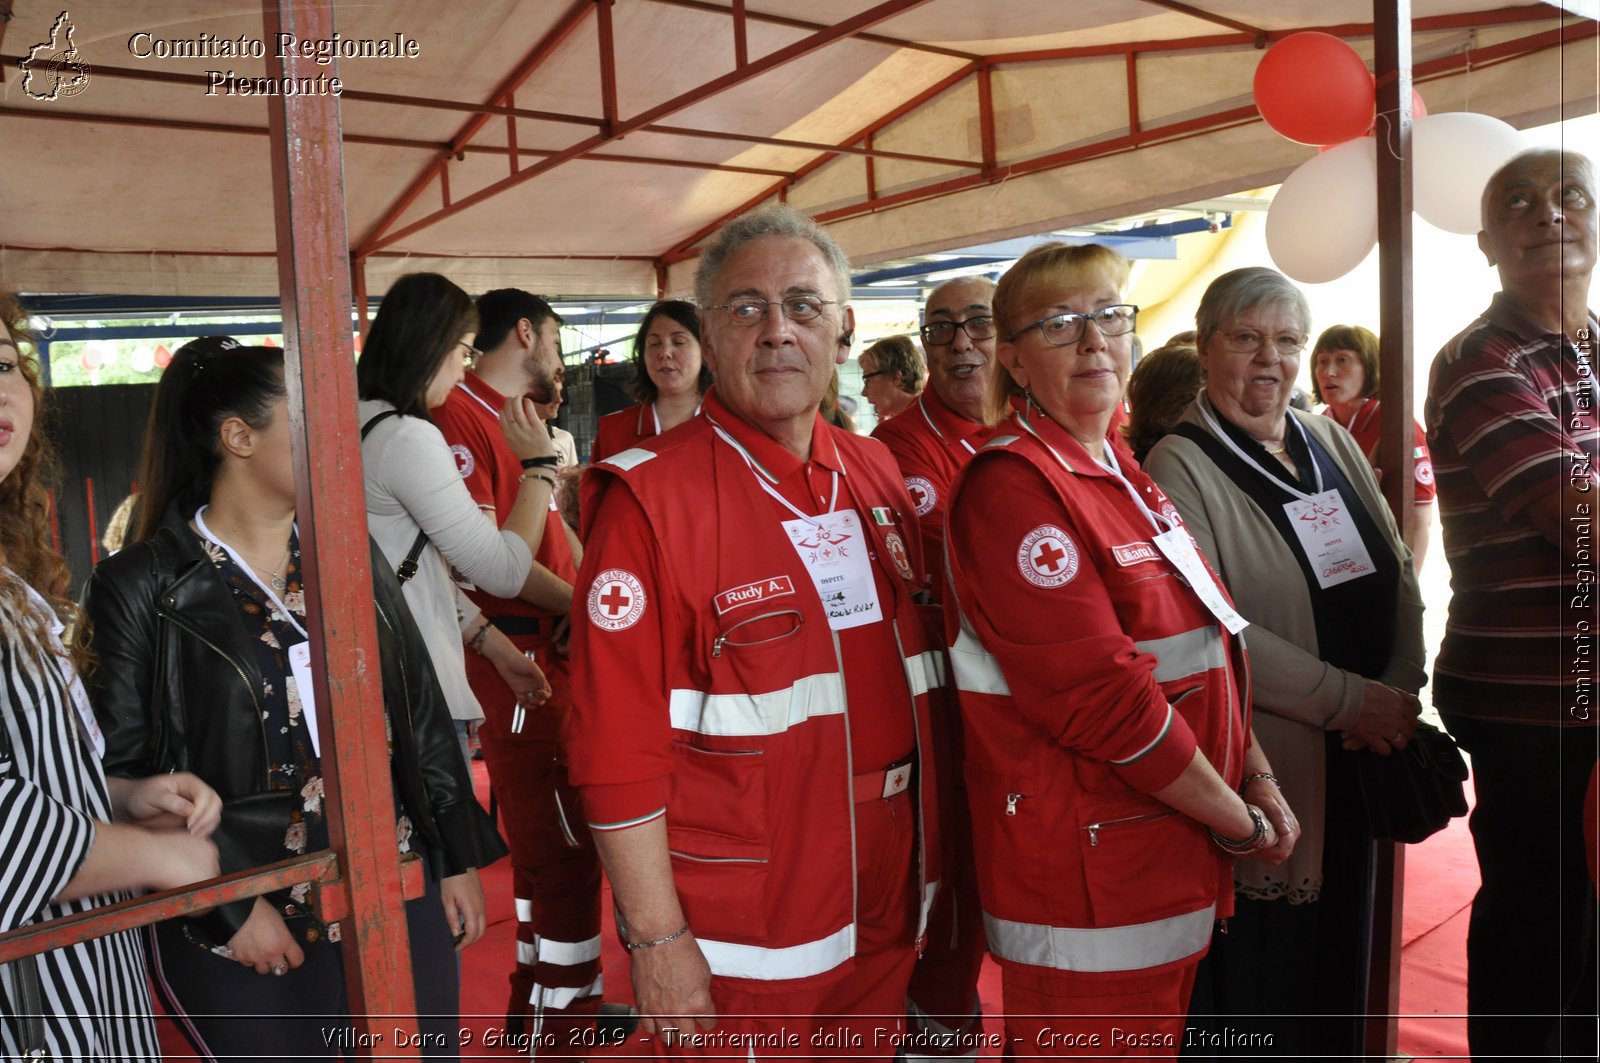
<point x="550" y="481"/>
<point x="635" y="946"/>
<point x="1253" y="776"/>
<point x="543" y="461"/>
<point x="475" y="643"/>
<point x="1257" y="839"/>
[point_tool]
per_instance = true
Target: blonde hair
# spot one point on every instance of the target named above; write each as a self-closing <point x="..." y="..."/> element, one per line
<point x="1046" y="268"/>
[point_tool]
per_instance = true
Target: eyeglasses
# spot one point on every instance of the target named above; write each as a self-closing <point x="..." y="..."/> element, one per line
<point x="1063" y="330"/>
<point x="800" y="309"/>
<point x="940" y="333"/>
<point x="1249" y="341"/>
<point x="472" y="354"/>
<point x="876" y="372"/>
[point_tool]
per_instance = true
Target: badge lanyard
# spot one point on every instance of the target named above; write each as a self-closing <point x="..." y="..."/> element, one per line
<point x="1331" y="544"/>
<point x="656" y="416"/>
<point x="926" y="416"/>
<point x="843" y="579"/>
<point x="1174" y="543"/>
<point x="89" y="726"/>
<point x="299" y="654"/>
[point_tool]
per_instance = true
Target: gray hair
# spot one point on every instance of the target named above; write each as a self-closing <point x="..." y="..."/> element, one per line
<point x="1240" y="290"/>
<point x="774" y="219"/>
<point x="1570" y="162"/>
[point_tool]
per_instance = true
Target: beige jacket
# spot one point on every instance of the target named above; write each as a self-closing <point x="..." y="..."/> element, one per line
<point x="1297" y="696"/>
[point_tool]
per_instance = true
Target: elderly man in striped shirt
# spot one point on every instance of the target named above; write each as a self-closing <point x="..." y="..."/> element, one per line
<point x="1512" y="426"/>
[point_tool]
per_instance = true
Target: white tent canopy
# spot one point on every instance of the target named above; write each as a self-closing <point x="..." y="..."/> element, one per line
<point x="584" y="148"/>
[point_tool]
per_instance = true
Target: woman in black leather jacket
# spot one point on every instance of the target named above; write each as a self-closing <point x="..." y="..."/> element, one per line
<point x="197" y="627"/>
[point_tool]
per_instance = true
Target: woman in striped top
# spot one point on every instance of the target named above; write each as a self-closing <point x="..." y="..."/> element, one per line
<point x="56" y="810"/>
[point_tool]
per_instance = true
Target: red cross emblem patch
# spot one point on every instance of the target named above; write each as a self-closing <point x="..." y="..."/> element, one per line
<point x="1046" y="558"/>
<point x="924" y="496"/>
<point x="616" y="600"/>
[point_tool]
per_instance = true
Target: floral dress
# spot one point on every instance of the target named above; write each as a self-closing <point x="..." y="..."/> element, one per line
<point x="292" y="760"/>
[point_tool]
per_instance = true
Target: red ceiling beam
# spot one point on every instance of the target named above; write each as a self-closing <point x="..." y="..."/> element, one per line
<point x="811" y="145"/>
<point x="741" y="42"/>
<point x="1206" y="16"/>
<point x="781" y="57"/>
<point x="553" y="39"/>
<point x="685" y="249"/>
<point x="813" y="27"/>
<point x="608" y="63"/>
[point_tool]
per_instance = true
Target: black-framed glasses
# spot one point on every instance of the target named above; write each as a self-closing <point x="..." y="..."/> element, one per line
<point x="1063" y="330"/>
<point x="940" y="333"/>
<point x="801" y="309"/>
<point x="1250" y="341"/>
<point x="472" y="355"/>
<point x="876" y="372"/>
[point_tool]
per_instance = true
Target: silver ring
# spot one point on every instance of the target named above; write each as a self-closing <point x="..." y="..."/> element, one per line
<point x="280" y="968"/>
<point x="1398" y="737"/>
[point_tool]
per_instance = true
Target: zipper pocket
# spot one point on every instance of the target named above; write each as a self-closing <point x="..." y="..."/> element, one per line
<point x="1011" y="803"/>
<point x="1094" y="829"/>
<point x="676" y="855"/>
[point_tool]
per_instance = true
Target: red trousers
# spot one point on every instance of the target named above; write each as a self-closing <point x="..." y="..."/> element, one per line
<point x="856" y="1012"/>
<point x="1072" y="1015"/>
<point x="555" y="872"/>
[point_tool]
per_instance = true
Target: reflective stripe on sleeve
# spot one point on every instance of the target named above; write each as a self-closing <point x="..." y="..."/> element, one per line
<point x="629" y="459"/>
<point x="925" y="672"/>
<point x="1186" y="653"/>
<point x="1117" y="948"/>
<point x="975" y="669"/>
<point x="796" y="961"/>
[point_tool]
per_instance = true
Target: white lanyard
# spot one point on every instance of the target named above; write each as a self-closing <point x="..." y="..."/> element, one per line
<point x="1227" y="441"/>
<point x="1157" y="520"/>
<point x="244" y="566"/>
<point x="926" y="416"/>
<point x="757" y="472"/>
<point x="655" y="415"/>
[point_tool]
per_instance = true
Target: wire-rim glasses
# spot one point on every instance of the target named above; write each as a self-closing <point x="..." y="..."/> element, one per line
<point x="1063" y="330"/>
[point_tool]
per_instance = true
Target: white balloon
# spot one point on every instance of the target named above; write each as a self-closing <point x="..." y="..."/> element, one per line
<point x="1452" y="158"/>
<point x="1324" y="219"/>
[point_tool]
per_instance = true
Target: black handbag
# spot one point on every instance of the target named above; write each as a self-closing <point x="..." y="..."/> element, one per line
<point x="1415" y="792"/>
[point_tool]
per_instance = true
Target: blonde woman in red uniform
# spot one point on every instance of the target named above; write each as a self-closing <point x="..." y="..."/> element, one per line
<point x="1103" y="689"/>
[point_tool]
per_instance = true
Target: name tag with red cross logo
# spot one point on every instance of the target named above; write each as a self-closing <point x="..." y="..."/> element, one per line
<point x="616" y="600"/>
<point x="1047" y="557"/>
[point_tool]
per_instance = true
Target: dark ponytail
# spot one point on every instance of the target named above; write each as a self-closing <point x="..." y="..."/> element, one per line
<point x="209" y="380"/>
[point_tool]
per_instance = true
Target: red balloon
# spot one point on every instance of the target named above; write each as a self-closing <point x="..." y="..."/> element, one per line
<point x="1314" y="89"/>
<point x="163" y="356"/>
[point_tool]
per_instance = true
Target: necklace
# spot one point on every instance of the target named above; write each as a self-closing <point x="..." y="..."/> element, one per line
<point x="1275" y="451"/>
<point x="275" y="578"/>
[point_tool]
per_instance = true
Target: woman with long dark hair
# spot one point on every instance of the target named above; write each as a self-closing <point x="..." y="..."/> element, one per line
<point x="418" y="507"/>
<point x="669" y="379"/>
<point x="201" y="630"/>
<point x="76" y="840"/>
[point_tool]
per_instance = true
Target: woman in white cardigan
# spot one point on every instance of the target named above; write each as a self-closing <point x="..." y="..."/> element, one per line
<point x="415" y="352"/>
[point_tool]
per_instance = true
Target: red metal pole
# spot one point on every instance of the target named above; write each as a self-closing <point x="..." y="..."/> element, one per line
<point x="1392" y="57"/>
<point x="94" y="525"/>
<point x="741" y="43"/>
<point x="314" y="285"/>
<point x="608" y="64"/>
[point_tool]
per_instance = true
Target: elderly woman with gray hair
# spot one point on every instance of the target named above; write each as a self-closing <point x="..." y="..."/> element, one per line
<point x="1287" y="509"/>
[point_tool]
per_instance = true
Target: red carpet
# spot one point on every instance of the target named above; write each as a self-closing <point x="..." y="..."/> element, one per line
<point x="1441" y="877"/>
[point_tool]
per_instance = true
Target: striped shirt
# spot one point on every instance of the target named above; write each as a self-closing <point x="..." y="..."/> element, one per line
<point x="95" y="999"/>
<point x="1510" y="415"/>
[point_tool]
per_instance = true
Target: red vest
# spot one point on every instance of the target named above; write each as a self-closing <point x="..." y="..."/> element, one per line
<point x="760" y="808"/>
<point x="1077" y="869"/>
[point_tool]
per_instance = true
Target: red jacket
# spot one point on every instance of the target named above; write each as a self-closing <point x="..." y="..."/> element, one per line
<point x="931" y="443"/>
<point x="1088" y="674"/>
<point x="711" y="683"/>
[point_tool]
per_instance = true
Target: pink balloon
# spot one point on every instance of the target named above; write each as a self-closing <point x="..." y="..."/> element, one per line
<point x="1314" y="89"/>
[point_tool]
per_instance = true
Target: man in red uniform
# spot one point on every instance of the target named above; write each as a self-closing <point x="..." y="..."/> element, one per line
<point x="931" y="442"/>
<point x="749" y="725"/>
<point x="555" y="873"/>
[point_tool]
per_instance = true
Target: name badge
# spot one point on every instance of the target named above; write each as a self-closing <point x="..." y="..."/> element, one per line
<point x="89" y="726"/>
<point x="300" y="676"/>
<point x="1329" y="539"/>
<point x="833" y="549"/>
<point x="1179" y="549"/>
